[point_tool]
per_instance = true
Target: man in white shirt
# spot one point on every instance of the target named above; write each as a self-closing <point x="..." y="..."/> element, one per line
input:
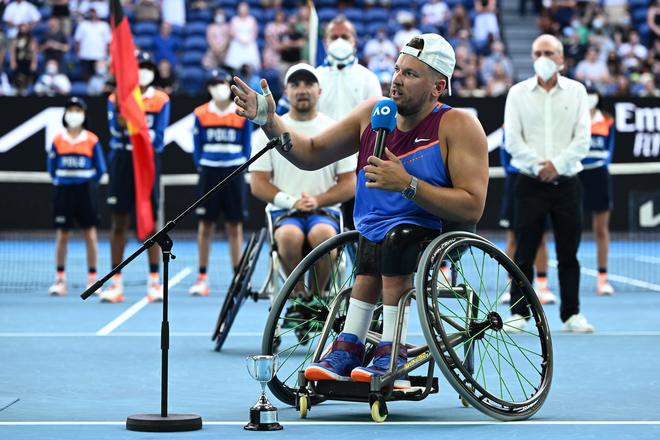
<point x="548" y="133"/>
<point x="285" y="187"/>
<point x="345" y="82"/>
<point x="19" y="12"/>
<point x="92" y="39"/>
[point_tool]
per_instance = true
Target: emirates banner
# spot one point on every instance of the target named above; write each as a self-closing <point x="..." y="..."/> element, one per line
<point x="29" y="124"/>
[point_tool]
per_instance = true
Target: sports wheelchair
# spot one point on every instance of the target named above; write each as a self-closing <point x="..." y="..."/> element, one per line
<point x="503" y="374"/>
<point x="241" y="287"/>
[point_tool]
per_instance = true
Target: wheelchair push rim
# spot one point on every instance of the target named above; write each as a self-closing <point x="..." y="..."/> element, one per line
<point x="294" y="339"/>
<point x="505" y="375"/>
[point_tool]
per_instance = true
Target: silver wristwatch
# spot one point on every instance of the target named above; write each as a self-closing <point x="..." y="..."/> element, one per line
<point x="410" y="191"/>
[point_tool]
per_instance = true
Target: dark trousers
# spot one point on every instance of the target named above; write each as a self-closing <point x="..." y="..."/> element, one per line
<point x="534" y="201"/>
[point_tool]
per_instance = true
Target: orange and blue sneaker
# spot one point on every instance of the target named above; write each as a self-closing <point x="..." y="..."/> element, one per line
<point x="347" y="353"/>
<point x="381" y="365"/>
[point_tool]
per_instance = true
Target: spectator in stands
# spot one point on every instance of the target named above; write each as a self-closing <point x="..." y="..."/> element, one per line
<point x="486" y="27"/>
<point x="165" y="44"/>
<point x="499" y="83"/>
<point x="291" y="44"/>
<point x="174" y="12"/>
<point x="653" y="21"/>
<point x="52" y="82"/>
<point x="243" y="47"/>
<point x="633" y="46"/>
<point x="273" y="36"/>
<point x="459" y="20"/>
<point x="616" y="11"/>
<point x="166" y="78"/>
<point x="563" y="12"/>
<point x="147" y="10"/>
<point x="17" y="13"/>
<point x="408" y="30"/>
<point x="81" y="8"/>
<point x="436" y="13"/>
<point x="92" y="39"/>
<point x="649" y="86"/>
<point x="470" y="88"/>
<point x="497" y="56"/>
<point x="466" y="65"/>
<point x="621" y="87"/>
<point x="61" y="10"/>
<point x="98" y="82"/>
<point x="380" y="53"/>
<point x="591" y="68"/>
<point x="54" y="43"/>
<point x="23" y="59"/>
<point x="217" y="38"/>
<point x="248" y="75"/>
<point x="5" y="86"/>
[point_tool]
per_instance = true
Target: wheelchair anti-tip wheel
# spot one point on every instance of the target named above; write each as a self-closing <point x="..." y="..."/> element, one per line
<point x="503" y="374"/>
<point x="301" y="308"/>
<point x="239" y="289"/>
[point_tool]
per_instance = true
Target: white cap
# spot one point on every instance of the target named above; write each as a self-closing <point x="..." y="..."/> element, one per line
<point x="302" y="68"/>
<point x="436" y="52"/>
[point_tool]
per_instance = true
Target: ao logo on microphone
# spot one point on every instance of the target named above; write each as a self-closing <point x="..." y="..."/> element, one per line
<point x="381" y="111"/>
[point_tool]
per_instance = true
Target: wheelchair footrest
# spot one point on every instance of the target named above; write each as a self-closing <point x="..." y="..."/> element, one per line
<point x="360" y="391"/>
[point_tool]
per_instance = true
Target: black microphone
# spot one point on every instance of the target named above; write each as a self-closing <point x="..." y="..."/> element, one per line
<point x="383" y="121"/>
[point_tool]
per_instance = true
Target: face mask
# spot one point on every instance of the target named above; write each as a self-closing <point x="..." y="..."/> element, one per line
<point x="592" y="100"/>
<point x="51" y="69"/>
<point x="545" y="68"/>
<point x="597" y="23"/>
<point x="340" y="51"/>
<point x="74" y="119"/>
<point x="145" y="77"/>
<point x="219" y="18"/>
<point x="220" y="92"/>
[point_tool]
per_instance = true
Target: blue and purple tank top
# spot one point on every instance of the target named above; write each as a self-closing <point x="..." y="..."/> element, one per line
<point x="377" y="211"/>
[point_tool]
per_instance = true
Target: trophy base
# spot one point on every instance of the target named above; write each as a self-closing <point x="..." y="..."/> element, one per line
<point x="263" y="419"/>
<point x="171" y="423"/>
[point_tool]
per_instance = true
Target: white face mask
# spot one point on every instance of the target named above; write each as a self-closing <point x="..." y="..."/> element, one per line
<point x="592" y="99"/>
<point x="220" y="92"/>
<point x="145" y="77"/>
<point x="51" y="69"/>
<point x="74" y="119"/>
<point x="340" y="51"/>
<point x="545" y="68"/>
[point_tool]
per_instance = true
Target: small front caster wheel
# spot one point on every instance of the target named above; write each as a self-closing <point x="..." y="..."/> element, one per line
<point x="303" y="405"/>
<point x="378" y="411"/>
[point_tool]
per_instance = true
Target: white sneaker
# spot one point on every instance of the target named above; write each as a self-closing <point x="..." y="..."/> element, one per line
<point x="515" y="324"/>
<point x="578" y="324"/>
<point x="505" y="298"/>
<point x="604" y="288"/>
<point x="154" y="290"/>
<point x="91" y="280"/>
<point x="201" y="287"/>
<point x="545" y="295"/>
<point x="115" y="293"/>
<point x="58" y="288"/>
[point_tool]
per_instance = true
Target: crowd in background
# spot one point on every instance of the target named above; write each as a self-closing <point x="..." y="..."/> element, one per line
<point x="60" y="47"/>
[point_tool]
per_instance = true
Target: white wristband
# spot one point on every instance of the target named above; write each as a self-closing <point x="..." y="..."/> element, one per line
<point x="284" y="200"/>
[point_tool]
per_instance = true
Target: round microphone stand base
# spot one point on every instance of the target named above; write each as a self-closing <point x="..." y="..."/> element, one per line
<point x="170" y="423"/>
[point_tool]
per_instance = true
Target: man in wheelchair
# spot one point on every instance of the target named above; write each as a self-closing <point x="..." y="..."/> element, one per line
<point x="303" y="205"/>
<point x="436" y="167"/>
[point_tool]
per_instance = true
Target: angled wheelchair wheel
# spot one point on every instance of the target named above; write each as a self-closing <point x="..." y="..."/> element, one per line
<point x="301" y="308"/>
<point x="503" y="374"/>
<point x="239" y="289"/>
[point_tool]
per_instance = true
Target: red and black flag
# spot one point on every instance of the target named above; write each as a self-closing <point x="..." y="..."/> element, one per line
<point x="129" y="101"/>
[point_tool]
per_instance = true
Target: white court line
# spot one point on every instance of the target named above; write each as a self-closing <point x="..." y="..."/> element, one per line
<point x="259" y="334"/>
<point x="132" y="310"/>
<point x="369" y="423"/>
<point x="647" y="259"/>
<point x="617" y="278"/>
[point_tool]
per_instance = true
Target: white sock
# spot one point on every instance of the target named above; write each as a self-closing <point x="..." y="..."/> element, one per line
<point x="358" y="318"/>
<point x="389" y="323"/>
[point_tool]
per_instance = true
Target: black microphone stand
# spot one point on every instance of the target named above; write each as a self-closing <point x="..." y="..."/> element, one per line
<point x="165" y="422"/>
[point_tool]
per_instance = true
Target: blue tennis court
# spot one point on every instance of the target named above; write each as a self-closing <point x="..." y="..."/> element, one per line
<point x="73" y="369"/>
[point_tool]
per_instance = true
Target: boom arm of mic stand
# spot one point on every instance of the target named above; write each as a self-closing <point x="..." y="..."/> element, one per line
<point x="283" y="141"/>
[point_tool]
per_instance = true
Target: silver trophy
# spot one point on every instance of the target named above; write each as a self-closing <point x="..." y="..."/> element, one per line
<point x="263" y="415"/>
